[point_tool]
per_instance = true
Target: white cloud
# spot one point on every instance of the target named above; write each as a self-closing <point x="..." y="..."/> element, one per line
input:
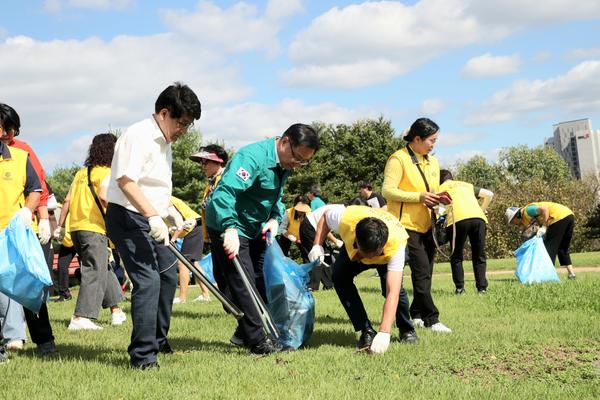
<point x="448" y="139"/>
<point x="588" y="53"/>
<point x="575" y="93"/>
<point x="448" y="160"/>
<point x="235" y="29"/>
<point x="487" y="66"/>
<point x="338" y="46"/>
<point x="432" y="107"/>
<point x="55" y="6"/>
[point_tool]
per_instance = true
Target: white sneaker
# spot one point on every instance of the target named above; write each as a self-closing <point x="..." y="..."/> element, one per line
<point x="177" y="300"/>
<point x="14" y="345"/>
<point x="202" y="298"/>
<point x="118" y="318"/>
<point x="418" y="323"/>
<point x="83" y="324"/>
<point x="441" y="328"/>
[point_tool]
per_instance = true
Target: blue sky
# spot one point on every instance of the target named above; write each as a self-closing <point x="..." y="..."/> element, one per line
<point x="491" y="73"/>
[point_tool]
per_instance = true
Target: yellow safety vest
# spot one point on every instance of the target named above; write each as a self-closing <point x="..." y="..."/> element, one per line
<point x="415" y="216"/>
<point x="185" y="211"/>
<point x="293" y="224"/>
<point x="464" y="202"/>
<point x="13" y="177"/>
<point x="67" y="241"/>
<point x="84" y="212"/>
<point x="397" y="236"/>
<point x="556" y="212"/>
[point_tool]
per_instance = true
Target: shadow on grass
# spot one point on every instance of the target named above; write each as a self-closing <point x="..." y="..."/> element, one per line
<point x="74" y="352"/>
<point x="335" y="337"/>
<point x="197" y="314"/>
<point x="186" y="344"/>
<point x="328" y="319"/>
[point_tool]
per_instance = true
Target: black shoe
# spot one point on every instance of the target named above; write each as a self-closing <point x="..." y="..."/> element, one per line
<point x="482" y="291"/>
<point x="46" y="348"/>
<point x="165" y="348"/>
<point x="145" y="366"/>
<point x="3" y="355"/>
<point x="409" y="337"/>
<point x="60" y="299"/>
<point x="459" y="291"/>
<point x="266" y="346"/>
<point x="366" y="338"/>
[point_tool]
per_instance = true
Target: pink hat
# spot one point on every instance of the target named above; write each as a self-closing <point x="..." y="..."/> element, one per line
<point x="206" y="156"/>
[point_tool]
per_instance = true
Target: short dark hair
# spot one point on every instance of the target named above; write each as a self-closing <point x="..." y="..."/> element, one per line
<point x="422" y="127"/>
<point x="445" y="175"/>
<point x="371" y="234"/>
<point x="301" y="199"/>
<point x="365" y="185"/>
<point x="316" y="190"/>
<point x="9" y="119"/>
<point x="180" y="100"/>
<point x="218" y="150"/>
<point x="356" y="201"/>
<point x="303" y="135"/>
<point x="101" y="150"/>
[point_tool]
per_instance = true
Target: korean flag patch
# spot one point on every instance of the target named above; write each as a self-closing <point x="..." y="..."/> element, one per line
<point x="242" y="173"/>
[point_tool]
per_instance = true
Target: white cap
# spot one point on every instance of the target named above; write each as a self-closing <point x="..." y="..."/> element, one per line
<point x="510" y="213"/>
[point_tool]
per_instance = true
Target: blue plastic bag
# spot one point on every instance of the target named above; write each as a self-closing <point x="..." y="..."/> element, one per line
<point x="23" y="270"/>
<point x="291" y="304"/>
<point x="207" y="267"/>
<point x="533" y="262"/>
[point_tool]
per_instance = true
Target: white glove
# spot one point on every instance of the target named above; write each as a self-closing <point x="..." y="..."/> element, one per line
<point x="339" y="243"/>
<point x="381" y="342"/>
<point x="272" y="226"/>
<point x="231" y="242"/>
<point x="316" y="253"/>
<point x="292" y="238"/>
<point x="542" y="231"/>
<point x="158" y="229"/>
<point x="175" y="218"/>
<point x="189" y="224"/>
<point x="44" y="230"/>
<point x="25" y="214"/>
<point x="59" y="233"/>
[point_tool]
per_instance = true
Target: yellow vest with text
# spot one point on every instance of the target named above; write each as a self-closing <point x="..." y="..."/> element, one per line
<point x="13" y="177"/>
<point x="84" y="212"/>
<point x="415" y="216"/>
<point x="556" y="212"/>
<point x="464" y="203"/>
<point x="397" y="236"/>
<point x="185" y="211"/>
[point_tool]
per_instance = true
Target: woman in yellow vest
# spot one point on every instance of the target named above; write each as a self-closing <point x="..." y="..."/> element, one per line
<point x="191" y="247"/>
<point x="290" y="226"/>
<point x="372" y="238"/>
<point x="469" y="220"/>
<point x="66" y="253"/>
<point x="411" y="181"/>
<point x="556" y="223"/>
<point x="85" y="204"/>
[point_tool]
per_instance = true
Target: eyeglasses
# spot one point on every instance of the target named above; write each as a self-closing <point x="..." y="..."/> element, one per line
<point x="296" y="158"/>
<point x="184" y="126"/>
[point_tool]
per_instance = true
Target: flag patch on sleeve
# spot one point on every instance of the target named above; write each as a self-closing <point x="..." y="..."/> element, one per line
<point x="242" y="173"/>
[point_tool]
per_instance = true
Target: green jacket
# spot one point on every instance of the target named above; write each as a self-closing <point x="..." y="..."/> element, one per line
<point x="249" y="193"/>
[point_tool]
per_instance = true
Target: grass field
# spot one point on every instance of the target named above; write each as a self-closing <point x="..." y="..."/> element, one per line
<point x="516" y="342"/>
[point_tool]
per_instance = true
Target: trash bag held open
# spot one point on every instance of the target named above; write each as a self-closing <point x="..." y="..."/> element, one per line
<point x="291" y="304"/>
<point x="533" y="262"/>
<point x="23" y="270"/>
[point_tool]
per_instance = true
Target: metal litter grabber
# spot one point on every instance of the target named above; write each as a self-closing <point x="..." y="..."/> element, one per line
<point x="229" y="306"/>
<point x="258" y="302"/>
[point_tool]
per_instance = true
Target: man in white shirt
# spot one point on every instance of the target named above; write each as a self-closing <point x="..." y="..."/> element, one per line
<point x="139" y="197"/>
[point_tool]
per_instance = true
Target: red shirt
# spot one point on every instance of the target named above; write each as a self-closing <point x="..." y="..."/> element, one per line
<point x="37" y="165"/>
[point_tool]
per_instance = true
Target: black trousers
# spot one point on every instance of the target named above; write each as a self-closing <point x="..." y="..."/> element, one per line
<point x="558" y="239"/>
<point x="319" y="273"/>
<point x="152" y="269"/>
<point x="49" y="256"/>
<point x="344" y="272"/>
<point x="65" y="256"/>
<point x="251" y="256"/>
<point x="421" y="252"/>
<point x="474" y="229"/>
<point x="39" y="325"/>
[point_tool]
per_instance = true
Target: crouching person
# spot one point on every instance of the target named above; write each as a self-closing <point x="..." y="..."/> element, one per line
<point x="372" y="238"/>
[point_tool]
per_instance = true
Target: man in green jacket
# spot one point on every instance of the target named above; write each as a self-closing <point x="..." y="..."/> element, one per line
<point x="245" y="206"/>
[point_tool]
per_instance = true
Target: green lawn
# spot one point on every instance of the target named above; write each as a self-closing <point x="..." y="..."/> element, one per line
<point x="517" y="342"/>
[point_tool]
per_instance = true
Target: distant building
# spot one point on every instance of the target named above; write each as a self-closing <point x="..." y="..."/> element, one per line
<point x="578" y="145"/>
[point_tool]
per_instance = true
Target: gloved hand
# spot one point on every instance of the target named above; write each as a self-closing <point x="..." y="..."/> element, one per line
<point x="381" y="342"/>
<point x="542" y="231"/>
<point x="189" y="224"/>
<point x="292" y="238"/>
<point x="339" y="243"/>
<point x="59" y="233"/>
<point x="271" y="226"/>
<point x="317" y="253"/>
<point x="25" y="214"/>
<point x="158" y="229"/>
<point x="175" y="218"/>
<point x="231" y="242"/>
<point x="44" y="230"/>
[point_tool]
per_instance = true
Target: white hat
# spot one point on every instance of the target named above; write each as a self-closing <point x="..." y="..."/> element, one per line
<point x="510" y="213"/>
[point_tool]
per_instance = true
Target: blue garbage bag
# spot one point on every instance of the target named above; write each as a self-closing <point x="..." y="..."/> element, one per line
<point x="207" y="267"/>
<point x="291" y="304"/>
<point x="23" y="270"/>
<point x="533" y="262"/>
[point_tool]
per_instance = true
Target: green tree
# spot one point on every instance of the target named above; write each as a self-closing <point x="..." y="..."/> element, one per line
<point x="188" y="178"/>
<point x="60" y="180"/>
<point x="521" y="164"/>
<point x="480" y="173"/>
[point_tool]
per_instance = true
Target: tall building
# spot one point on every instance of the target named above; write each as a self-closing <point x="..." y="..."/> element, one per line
<point x="578" y="145"/>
